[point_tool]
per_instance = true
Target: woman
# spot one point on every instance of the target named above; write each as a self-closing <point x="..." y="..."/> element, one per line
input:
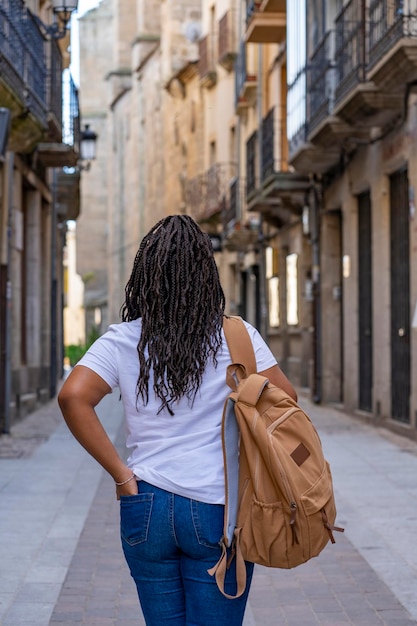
<point x="169" y="358"/>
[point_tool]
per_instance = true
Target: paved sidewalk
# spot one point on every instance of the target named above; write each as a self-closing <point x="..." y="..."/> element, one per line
<point x="61" y="561"/>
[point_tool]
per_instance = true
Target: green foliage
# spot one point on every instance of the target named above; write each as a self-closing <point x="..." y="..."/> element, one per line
<point x="74" y="352"/>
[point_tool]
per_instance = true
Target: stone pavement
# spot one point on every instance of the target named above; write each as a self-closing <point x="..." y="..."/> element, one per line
<point x="61" y="562"/>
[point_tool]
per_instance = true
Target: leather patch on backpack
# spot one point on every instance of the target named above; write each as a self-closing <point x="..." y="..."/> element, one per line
<point x="300" y="454"/>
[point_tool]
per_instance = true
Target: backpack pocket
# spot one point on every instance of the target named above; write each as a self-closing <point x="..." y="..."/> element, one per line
<point x="264" y="533"/>
<point x="319" y="506"/>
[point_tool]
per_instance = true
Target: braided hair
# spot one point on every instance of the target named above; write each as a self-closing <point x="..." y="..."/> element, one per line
<point x="175" y="288"/>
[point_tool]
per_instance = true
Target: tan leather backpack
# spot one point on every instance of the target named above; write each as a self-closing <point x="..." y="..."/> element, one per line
<point x="280" y="508"/>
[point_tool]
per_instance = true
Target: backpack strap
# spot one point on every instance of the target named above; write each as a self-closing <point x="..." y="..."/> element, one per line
<point x="239" y="343"/>
<point x="243" y="364"/>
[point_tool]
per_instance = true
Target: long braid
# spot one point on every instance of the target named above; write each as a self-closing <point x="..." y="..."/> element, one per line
<point x="175" y="288"/>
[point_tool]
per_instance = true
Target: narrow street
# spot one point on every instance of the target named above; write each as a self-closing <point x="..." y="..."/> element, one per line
<point x="62" y="563"/>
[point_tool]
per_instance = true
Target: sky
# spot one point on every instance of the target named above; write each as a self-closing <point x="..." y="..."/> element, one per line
<point x="83" y="7"/>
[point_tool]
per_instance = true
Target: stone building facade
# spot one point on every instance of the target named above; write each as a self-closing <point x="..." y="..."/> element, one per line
<point x="287" y="130"/>
<point x="37" y="197"/>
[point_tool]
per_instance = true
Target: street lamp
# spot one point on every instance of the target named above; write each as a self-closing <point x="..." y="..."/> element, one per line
<point x="63" y="9"/>
<point x="4" y="130"/>
<point x="87" y="147"/>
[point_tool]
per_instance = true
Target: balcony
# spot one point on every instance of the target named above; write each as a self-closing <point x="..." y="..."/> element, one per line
<point x="237" y="235"/>
<point x="245" y="83"/>
<point x="265" y="21"/>
<point x="206" y="63"/>
<point x="204" y="194"/>
<point x="22" y="75"/>
<point x="392" y="46"/>
<point x="54" y="91"/>
<point x="68" y="194"/>
<point x="358" y="100"/>
<point x="325" y="130"/>
<point x="227" y="41"/>
<point x="64" y="153"/>
<point x="280" y="194"/>
<point x="303" y="155"/>
<point x="354" y="81"/>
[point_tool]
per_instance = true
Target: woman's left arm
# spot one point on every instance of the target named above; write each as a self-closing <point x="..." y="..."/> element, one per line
<point x="79" y="395"/>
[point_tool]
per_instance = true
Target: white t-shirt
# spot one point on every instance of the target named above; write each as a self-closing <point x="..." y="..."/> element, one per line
<point x="181" y="453"/>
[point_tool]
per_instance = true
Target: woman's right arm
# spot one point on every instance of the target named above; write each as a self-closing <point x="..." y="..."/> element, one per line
<point x="80" y="394"/>
<point x="277" y="377"/>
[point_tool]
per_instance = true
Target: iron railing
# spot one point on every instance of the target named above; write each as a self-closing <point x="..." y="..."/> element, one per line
<point x="321" y="81"/>
<point x="234" y="203"/>
<point x="22" y="56"/>
<point x="297" y="127"/>
<point x="227" y="36"/>
<point x="71" y="113"/>
<point x="240" y="71"/>
<point x="242" y="78"/>
<point x="35" y="66"/>
<point x="351" y="55"/>
<point x="274" y="156"/>
<point x="206" y="61"/>
<point x="251" y="163"/>
<point x="55" y="86"/>
<point x="204" y="193"/>
<point x="387" y="24"/>
<point x="11" y="46"/>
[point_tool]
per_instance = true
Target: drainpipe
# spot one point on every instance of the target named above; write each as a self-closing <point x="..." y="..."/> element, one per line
<point x="54" y="290"/>
<point x="6" y="296"/>
<point x="263" y="313"/>
<point x="317" y="332"/>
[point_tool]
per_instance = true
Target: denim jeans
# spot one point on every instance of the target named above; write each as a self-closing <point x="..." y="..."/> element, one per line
<point x="169" y="543"/>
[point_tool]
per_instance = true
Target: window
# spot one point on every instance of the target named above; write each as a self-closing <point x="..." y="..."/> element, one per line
<point x="292" y="290"/>
<point x="272" y="280"/>
<point x="296" y="66"/>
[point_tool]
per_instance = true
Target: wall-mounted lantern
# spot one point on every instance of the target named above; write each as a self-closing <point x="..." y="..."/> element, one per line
<point x="62" y="9"/>
<point x="88" y="145"/>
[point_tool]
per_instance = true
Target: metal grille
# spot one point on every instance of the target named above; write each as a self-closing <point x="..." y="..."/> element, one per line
<point x="400" y="298"/>
<point x="71" y="118"/>
<point x="35" y="66"/>
<point x="55" y="81"/>
<point x="12" y="44"/>
<point x="321" y="80"/>
<point x="240" y="71"/>
<point x="387" y="24"/>
<point x="365" y="301"/>
<point x="251" y="164"/>
<point x="22" y="56"/>
<point x="351" y="48"/>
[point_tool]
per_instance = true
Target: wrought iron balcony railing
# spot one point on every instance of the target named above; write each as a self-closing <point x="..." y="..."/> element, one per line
<point x="274" y="143"/>
<point x="388" y="22"/>
<point x="54" y="90"/>
<point x="321" y="81"/>
<point x="233" y="205"/>
<point x="351" y="54"/>
<point x="227" y="40"/>
<point x="204" y="193"/>
<point x="245" y="83"/>
<point x="251" y="164"/>
<point x="22" y="57"/>
<point x="207" y="61"/>
<point x="71" y="113"/>
<point x="297" y="126"/>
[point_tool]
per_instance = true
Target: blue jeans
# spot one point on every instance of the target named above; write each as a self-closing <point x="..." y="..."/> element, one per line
<point x="169" y="543"/>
